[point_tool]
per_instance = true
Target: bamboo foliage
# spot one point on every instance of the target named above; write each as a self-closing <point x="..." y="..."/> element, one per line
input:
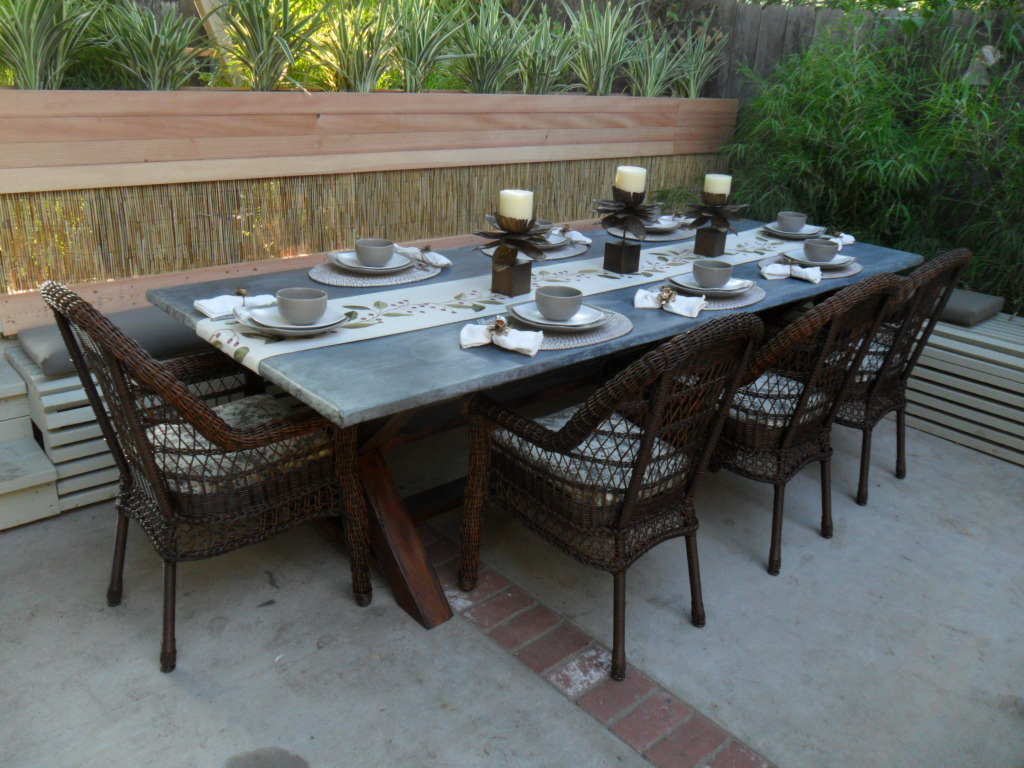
<point x="123" y="232"/>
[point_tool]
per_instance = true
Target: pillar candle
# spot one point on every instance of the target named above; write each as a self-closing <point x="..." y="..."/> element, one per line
<point x="630" y="178"/>
<point x="516" y="204"/>
<point x="717" y="184"/>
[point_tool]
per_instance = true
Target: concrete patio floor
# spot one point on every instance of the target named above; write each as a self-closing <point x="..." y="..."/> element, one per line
<point x="896" y="643"/>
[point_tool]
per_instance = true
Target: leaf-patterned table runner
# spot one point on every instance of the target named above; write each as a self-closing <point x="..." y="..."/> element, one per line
<point x="426" y="305"/>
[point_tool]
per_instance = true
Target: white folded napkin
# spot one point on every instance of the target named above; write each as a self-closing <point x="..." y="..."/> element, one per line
<point x="222" y="306"/>
<point x="687" y="306"/>
<point x="433" y="258"/>
<point x="778" y="271"/>
<point x="524" y="342"/>
<point x="843" y="239"/>
<point x="572" y="236"/>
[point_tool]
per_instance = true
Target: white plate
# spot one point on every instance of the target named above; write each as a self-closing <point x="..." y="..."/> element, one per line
<point x="586" y="319"/>
<point x="735" y="287"/>
<point x="347" y="260"/>
<point x="244" y="318"/>
<point x="838" y="262"/>
<point x="553" y="241"/>
<point x="809" y="230"/>
<point x="271" y="317"/>
<point x="664" y="224"/>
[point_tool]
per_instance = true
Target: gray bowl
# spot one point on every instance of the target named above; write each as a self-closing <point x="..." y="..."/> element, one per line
<point x="301" y="306"/>
<point x="374" y="251"/>
<point x="820" y="250"/>
<point x="711" y="273"/>
<point x="790" y="221"/>
<point x="558" y="302"/>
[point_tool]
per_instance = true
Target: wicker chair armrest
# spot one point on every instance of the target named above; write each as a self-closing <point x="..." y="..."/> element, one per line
<point x="305" y="423"/>
<point x="482" y="406"/>
<point x="203" y="366"/>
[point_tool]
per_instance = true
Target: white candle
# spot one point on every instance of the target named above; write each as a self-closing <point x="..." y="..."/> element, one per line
<point x="516" y="204"/>
<point x="717" y="184"/>
<point x="630" y="178"/>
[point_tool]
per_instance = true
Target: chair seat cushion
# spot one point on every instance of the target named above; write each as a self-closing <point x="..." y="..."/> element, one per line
<point x="771" y="401"/>
<point x="970" y="308"/>
<point x="155" y="331"/>
<point x="596" y="472"/>
<point x="192" y="464"/>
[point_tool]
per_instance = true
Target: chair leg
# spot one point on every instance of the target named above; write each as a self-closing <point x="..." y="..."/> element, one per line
<point x="619" y="628"/>
<point x="865" y="466"/>
<point x="356" y="516"/>
<point x="472" y="505"/>
<point x="168" y="651"/>
<point x="826" y="498"/>
<point x="114" y="590"/>
<point x="901" y="442"/>
<point x="696" y="595"/>
<point x="775" y="554"/>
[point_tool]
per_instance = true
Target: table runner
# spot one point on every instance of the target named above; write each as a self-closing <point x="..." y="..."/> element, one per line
<point x="385" y="313"/>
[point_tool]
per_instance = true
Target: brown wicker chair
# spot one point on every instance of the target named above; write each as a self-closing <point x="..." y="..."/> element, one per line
<point x="204" y="480"/>
<point x="780" y="420"/>
<point x="608" y="480"/>
<point x="880" y="386"/>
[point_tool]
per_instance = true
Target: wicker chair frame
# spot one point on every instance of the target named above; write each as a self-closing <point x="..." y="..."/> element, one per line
<point x="198" y="486"/>
<point x="782" y="416"/>
<point x="881" y="384"/>
<point x="618" y="477"/>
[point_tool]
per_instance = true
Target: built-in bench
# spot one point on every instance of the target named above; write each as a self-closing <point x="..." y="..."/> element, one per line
<point x="968" y="386"/>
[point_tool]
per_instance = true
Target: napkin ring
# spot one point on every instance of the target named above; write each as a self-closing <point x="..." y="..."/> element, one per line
<point x="667" y="296"/>
<point x="500" y="326"/>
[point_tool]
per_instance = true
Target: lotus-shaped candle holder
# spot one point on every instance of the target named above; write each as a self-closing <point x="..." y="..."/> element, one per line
<point x="711" y="239"/>
<point x="625" y="211"/>
<point x="515" y="243"/>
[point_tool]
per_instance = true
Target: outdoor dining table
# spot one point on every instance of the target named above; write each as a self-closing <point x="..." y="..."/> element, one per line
<point x="380" y="382"/>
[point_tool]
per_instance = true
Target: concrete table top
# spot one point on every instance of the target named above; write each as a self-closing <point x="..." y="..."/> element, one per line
<point x="355" y="382"/>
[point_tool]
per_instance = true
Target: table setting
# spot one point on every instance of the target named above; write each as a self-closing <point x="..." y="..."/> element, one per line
<point x="818" y="258"/>
<point x="377" y="262"/>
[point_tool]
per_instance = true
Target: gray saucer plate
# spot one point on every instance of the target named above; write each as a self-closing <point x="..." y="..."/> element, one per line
<point x="588" y="318"/>
<point x="839" y="262"/>
<point x="244" y="318"/>
<point x="551" y="242"/>
<point x="347" y="260"/>
<point x="808" y="231"/>
<point x="735" y="287"/>
<point x="271" y="318"/>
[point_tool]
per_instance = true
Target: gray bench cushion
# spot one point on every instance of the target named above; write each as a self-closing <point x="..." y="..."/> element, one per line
<point x="969" y="308"/>
<point x="154" y="330"/>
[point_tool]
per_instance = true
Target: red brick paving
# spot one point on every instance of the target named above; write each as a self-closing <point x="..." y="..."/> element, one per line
<point x="655" y="718"/>
<point x="612" y="698"/>
<point x="643" y="714"/>
<point x="549" y="649"/>
<point x="687" y="747"/>
<point x="500" y="607"/>
<point x="525" y="627"/>
<point x="737" y="755"/>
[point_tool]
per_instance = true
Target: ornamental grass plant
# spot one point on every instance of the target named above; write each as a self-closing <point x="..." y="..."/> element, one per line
<point x="268" y="37"/>
<point x="604" y="43"/>
<point x="488" y="42"/>
<point x="423" y="31"/>
<point x="154" y="54"/>
<point x="544" y="56"/>
<point x="656" y="63"/>
<point x="39" y="39"/>
<point x="358" y="46"/>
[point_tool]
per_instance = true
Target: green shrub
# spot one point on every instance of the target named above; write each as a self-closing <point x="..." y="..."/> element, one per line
<point x="879" y="134"/>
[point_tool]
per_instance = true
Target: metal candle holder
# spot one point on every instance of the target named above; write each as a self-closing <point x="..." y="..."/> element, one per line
<point x="715" y="211"/>
<point x="626" y="211"/>
<point x="515" y="248"/>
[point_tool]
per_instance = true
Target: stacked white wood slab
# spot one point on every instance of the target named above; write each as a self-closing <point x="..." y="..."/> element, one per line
<point x="968" y="386"/>
<point x="28" y="488"/>
<point x="67" y="430"/>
